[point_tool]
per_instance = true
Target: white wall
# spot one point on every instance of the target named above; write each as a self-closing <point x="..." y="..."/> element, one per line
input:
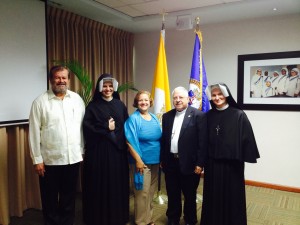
<point x="277" y="132"/>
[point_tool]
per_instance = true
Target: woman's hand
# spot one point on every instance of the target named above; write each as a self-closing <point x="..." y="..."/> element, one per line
<point x="111" y="124"/>
<point x="140" y="166"/>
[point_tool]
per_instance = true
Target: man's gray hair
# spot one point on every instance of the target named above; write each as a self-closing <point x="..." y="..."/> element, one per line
<point x="181" y="89"/>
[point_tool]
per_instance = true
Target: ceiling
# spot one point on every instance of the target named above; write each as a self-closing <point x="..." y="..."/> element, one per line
<point x="147" y="15"/>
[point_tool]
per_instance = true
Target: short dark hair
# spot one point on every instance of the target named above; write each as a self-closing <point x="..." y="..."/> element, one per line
<point x="56" y="68"/>
<point x="137" y="96"/>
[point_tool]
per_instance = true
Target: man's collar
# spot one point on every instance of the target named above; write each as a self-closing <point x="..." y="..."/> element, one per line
<point x="52" y="95"/>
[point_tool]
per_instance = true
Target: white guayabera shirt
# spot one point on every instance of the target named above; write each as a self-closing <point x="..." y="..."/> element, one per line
<point x="55" y="129"/>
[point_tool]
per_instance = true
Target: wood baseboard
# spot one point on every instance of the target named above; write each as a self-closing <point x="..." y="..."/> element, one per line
<point x="272" y="186"/>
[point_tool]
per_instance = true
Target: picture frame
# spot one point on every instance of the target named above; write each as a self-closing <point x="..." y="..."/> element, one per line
<point x="268" y="96"/>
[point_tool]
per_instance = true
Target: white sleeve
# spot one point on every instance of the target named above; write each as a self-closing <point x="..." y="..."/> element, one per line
<point x="35" y="133"/>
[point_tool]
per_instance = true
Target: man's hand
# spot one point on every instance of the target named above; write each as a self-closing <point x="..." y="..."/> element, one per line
<point x="198" y="170"/>
<point x="40" y="169"/>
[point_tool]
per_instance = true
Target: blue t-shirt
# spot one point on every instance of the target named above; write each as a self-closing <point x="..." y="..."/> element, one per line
<point x="149" y="136"/>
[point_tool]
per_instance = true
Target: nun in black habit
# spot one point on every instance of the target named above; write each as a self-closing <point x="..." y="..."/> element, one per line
<point x="105" y="170"/>
<point x="231" y="144"/>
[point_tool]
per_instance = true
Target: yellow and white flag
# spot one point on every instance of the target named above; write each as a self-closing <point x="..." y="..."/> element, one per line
<point x="160" y="85"/>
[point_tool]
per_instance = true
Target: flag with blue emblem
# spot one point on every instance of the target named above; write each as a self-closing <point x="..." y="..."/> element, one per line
<point x="198" y="80"/>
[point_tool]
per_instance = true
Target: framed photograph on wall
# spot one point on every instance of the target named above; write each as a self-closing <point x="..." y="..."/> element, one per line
<point x="269" y="81"/>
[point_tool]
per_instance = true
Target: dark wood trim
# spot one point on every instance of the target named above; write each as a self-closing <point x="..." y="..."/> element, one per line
<point x="272" y="186"/>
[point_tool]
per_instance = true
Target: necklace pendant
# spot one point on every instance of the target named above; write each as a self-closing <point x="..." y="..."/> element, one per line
<point x="217" y="129"/>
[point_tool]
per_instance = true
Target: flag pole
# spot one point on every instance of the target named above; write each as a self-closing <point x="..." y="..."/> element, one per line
<point x="161" y="198"/>
<point x="199" y="197"/>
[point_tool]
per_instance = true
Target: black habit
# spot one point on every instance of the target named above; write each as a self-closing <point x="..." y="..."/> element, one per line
<point x="105" y="170"/>
<point x="231" y="143"/>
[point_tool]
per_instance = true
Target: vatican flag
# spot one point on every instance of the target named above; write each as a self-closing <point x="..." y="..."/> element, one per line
<point x="160" y="85"/>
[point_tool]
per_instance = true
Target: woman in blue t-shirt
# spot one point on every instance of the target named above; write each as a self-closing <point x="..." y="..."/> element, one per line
<point x="143" y="133"/>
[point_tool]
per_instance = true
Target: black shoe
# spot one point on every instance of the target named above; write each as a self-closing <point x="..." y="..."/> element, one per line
<point x="173" y="223"/>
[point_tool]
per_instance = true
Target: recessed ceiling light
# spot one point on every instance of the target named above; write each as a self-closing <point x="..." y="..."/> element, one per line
<point x="274" y="9"/>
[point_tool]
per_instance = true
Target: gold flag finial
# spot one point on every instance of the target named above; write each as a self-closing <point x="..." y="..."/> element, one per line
<point x="197" y="29"/>
<point x="163" y="13"/>
<point x="197" y="19"/>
